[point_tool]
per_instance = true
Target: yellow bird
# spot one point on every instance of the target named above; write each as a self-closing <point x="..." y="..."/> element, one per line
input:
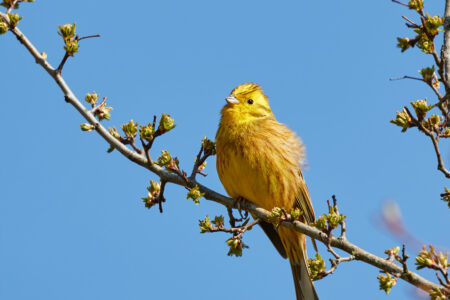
<point x="259" y="159"/>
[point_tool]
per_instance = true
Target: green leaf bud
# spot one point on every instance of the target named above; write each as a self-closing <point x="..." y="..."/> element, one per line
<point x="446" y="196"/>
<point x="3" y="27"/>
<point x="403" y="43"/>
<point x="416" y="4"/>
<point x="154" y="188"/>
<point x="443" y="260"/>
<point x="209" y="147"/>
<point x="164" y="159"/>
<point x="386" y="282"/>
<point x="202" y="166"/>
<point x="114" y="133"/>
<point x="435" y="120"/>
<point x="71" y="47"/>
<point x="87" y="127"/>
<point x="275" y="215"/>
<point x="424" y="259"/>
<point x="195" y="194"/>
<point x="334" y="219"/>
<point x="424" y="43"/>
<point x="296" y="213"/>
<point x="436" y="294"/>
<point x="421" y="107"/>
<point x="110" y="149"/>
<point x="91" y="98"/>
<point x="446" y="132"/>
<point x="393" y="251"/>
<point x="321" y="223"/>
<point x="147" y="132"/>
<point x="402" y="120"/>
<point x="8" y="4"/>
<point x="67" y="32"/>
<point x="316" y="267"/>
<point x="432" y="24"/>
<point x="130" y="129"/>
<point x="14" y="19"/>
<point x="219" y="221"/>
<point x="236" y="246"/>
<point x="205" y="225"/>
<point x="166" y="123"/>
<point x="427" y="74"/>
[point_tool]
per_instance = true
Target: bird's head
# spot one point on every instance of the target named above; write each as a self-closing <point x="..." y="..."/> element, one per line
<point x="247" y="102"/>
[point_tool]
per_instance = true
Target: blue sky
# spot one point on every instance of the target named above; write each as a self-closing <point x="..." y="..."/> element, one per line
<point x="72" y="225"/>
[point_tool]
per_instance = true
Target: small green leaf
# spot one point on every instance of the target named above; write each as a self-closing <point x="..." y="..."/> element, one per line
<point x="218" y="221"/>
<point x="195" y="194"/>
<point x="166" y="123"/>
<point x="402" y="120"/>
<point x="87" y="127"/>
<point x="316" y="267"/>
<point x="386" y="282"/>
<point x="404" y="43"/>
<point x="67" y="32"/>
<point x="275" y="215"/>
<point x="236" y="247"/>
<point x="164" y="159"/>
<point x="91" y="98"/>
<point x="209" y="147"/>
<point x="446" y="196"/>
<point x="205" y="225"/>
<point x="147" y="132"/>
<point x="130" y="129"/>
<point x="3" y="27"/>
<point x="14" y="19"/>
<point x="420" y="106"/>
<point x="416" y="4"/>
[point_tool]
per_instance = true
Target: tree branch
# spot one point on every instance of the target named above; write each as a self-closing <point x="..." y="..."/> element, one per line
<point x="434" y="140"/>
<point x="166" y="176"/>
<point x="446" y="45"/>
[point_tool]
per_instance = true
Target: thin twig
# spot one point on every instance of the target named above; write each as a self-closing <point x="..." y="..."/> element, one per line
<point x="88" y="37"/>
<point x="62" y="63"/>
<point x="196" y="163"/>
<point x="441" y="166"/>
<point x="133" y="145"/>
<point x="161" y="198"/>
<point x="401" y="3"/>
<point x="13" y="5"/>
<point x="406" y="77"/>
<point x="434" y="140"/>
<point x="413" y="25"/>
<point x="343" y="226"/>
<point x="403" y="260"/>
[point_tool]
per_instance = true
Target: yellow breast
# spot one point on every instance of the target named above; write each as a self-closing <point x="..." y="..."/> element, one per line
<point x="260" y="162"/>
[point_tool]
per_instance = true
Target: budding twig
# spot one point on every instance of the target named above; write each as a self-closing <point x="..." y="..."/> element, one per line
<point x="161" y="198"/>
<point x="343" y="226"/>
<point x="13" y="5"/>
<point x="66" y="55"/>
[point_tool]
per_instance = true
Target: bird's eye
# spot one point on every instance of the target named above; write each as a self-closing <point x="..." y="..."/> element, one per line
<point x="250" y="101"/>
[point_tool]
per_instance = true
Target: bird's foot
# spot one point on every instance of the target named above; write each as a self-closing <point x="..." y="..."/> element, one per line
<point x="238" y="204"/>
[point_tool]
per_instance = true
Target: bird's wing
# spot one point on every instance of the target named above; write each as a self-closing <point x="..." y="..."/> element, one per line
<point x="303" y="201"/>
<point x="272" y="233"/>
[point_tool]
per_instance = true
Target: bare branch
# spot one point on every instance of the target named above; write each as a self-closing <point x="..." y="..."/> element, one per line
<point x="445" y="51"/>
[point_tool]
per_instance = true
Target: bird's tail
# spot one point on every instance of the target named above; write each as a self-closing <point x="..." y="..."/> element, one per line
<point x="304" y="287"/>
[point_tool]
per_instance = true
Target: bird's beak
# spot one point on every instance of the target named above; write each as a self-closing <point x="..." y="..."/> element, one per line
<point x="232" y="100"/>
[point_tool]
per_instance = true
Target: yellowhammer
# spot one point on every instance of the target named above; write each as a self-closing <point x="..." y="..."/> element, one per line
<point x="259" y="159"/>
